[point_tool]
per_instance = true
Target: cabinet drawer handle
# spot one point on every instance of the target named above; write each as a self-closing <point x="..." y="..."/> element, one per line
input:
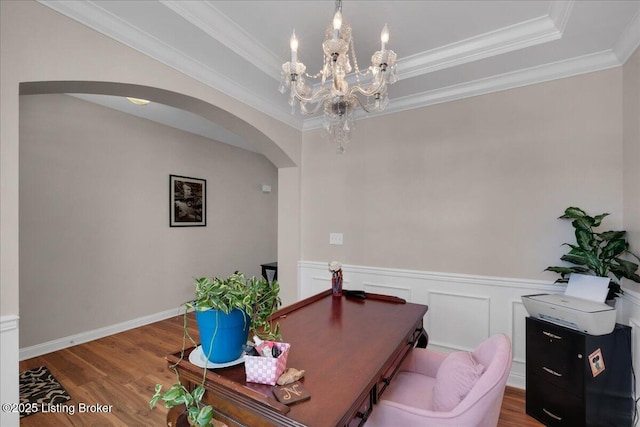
<point x="551" y="371"/>
<point x="552" y="415"/>
<point x="550" y="335"/>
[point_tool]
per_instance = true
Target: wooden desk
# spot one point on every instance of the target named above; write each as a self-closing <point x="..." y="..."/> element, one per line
<point x="349" y="348"/>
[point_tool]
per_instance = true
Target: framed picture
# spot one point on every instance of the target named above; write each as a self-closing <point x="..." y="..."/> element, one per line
<point x="187" y="201"/>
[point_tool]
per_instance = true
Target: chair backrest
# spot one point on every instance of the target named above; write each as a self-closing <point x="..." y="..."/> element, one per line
<point x="482" y="404"/>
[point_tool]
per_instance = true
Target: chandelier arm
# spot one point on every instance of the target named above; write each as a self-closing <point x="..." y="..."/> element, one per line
<point x="316" y="97"/>
<point x="303" y="108"/>
<point x="363" y="106"/>
<point x="371" y="91"/>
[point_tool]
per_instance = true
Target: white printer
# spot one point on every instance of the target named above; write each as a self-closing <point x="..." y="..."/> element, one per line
<point x="581" y="307"/>
<point x="594" y="318"/>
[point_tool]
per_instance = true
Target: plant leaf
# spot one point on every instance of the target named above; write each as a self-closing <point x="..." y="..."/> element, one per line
<point x="156" y="396"/>
<point x="573" y="213"/>
<point x="567" y="270"/>
<point x="204" y="416"/>
<point x="597" y="220"/>
<point x="574" y="259"/>
<point x="583" y="223"/>
<point x="192" y="414"/>
<point x="585" y="239"/>
<point x="594" y="263"/>
<point x="173" y="393"/>
<point x="197" y="394"/>
<point x="626" y="269"/>
<point x="612" y="235"/>
<point x="614" y="248"/>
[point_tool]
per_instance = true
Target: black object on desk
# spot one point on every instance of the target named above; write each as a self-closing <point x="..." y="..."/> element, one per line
<point x="273" y="266"/>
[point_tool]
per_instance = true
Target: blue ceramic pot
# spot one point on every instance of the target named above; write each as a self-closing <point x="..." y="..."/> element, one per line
<point x="222" y="335"/>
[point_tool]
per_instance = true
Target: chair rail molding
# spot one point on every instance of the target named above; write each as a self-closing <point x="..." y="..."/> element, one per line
<point x="463" y="309"/>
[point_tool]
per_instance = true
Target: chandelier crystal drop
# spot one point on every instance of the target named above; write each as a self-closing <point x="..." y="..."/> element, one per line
<point x="339" y="93"/>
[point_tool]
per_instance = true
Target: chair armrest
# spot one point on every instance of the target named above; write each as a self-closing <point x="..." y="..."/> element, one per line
<point x="423" y="361"/>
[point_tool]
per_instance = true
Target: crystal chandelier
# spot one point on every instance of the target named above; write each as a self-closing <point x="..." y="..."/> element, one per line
<point x="335" y="95"/>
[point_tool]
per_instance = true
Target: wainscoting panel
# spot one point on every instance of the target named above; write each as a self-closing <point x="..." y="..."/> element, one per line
<point x="635" y="342"/>
<point x="463" y="309"/>
<point x="456" y="321"/>
<point x="629" y="314"/>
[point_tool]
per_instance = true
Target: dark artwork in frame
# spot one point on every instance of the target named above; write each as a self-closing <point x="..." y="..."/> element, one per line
<point x="188" y="201"/>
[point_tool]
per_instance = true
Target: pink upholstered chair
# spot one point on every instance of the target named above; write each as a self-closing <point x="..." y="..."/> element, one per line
<point x="428" y="388"/>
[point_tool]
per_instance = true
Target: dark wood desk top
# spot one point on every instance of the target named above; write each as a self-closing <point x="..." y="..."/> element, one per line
<point x="344" y="345"/>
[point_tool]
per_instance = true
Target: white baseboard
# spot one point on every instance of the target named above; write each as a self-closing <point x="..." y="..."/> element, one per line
<point x="83" y="337"/>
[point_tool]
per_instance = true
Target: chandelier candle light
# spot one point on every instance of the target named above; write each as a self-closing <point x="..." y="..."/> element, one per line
<point x="335" y="95"/>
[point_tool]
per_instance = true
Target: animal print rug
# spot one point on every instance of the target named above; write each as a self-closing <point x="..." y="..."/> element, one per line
<point x="39" y="389"/>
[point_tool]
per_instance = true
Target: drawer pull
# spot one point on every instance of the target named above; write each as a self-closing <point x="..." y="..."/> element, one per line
<point x="552" y="415"/>
<point x="551" y="371"/>
<point x="550" y="335"/>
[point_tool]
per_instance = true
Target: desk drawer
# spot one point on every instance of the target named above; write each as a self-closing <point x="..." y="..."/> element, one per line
<point x="553" y="406"/>
<point x="559" y="373"/>
<point x="392" y="368"/>
<point x="363" y="412"/>
<point x="556" y="354"/>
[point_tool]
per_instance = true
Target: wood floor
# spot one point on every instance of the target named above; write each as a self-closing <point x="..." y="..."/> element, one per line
<point x="121" y="371"/>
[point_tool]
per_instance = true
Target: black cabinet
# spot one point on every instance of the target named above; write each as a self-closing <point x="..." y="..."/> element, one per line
<point x="576" y="379"/>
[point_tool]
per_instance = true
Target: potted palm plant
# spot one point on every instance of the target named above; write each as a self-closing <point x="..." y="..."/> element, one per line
<point x="596" y="253"/>
<point x="227" y="309"/>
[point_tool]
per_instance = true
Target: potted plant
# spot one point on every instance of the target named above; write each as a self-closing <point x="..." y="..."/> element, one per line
<point x="226" y="308"/>
<point x="234" y="302"/>
<point x="596" y="253"/>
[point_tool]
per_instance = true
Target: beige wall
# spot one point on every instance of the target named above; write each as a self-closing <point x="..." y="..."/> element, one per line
<point x="473" y="186"/>
<point x="41" y="45"/>
<point x="96" y="248"/>
<point x="631" y="152"/>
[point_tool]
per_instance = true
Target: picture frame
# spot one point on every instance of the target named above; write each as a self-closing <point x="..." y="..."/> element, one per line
<point x="187" y="201"/>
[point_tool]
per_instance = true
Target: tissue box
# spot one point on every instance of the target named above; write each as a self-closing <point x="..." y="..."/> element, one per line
<point x="267" y="370"/>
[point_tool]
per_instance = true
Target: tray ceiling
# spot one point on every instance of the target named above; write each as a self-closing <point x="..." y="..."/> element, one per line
<point x="447" y="49"/>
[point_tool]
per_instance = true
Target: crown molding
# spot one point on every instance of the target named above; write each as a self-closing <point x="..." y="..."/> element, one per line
<point x="559" y="13"/>
<point x="216" y="24"/>
<point x="208" y="18"/>
<point x="557" y="70"/>
<point x="515" y="37"/>
<point x="629" y="40"/>
<point x="93" y="16"/>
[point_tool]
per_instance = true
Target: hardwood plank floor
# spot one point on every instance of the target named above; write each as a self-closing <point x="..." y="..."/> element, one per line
<point x="121" y="371"/>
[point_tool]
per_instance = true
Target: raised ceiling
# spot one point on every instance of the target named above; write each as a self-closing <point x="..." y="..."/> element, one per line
<point x="447" y="49"/>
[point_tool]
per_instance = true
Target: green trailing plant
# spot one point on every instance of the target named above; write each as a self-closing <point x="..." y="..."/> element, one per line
<point x="256" y="297"/>
<point x="596" y="253"/>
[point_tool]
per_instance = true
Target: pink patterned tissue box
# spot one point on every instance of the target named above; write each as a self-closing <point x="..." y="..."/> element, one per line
<point x="267" y="370"/>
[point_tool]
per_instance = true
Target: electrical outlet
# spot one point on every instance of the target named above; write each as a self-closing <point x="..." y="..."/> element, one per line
<point x="335" y="238"/>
